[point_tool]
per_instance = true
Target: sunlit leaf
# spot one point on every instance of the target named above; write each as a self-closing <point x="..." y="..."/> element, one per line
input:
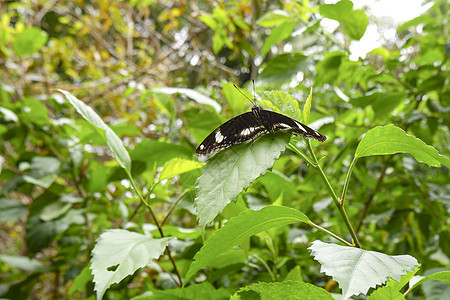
<point x="119" y="253"/>
<point x="231" y="170"/>
<point x="29" y="41"/>
<point x="356" y="270"/>
<point x="178" y="166"/>
<point x="278" y="34"/>
<point x="385" y="140"/>
<point x="240" y="228"/>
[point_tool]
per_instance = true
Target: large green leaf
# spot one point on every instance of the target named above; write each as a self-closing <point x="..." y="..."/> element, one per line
<point x="240" y="228"/>
<point x="119" y="253"/>
<point x="283" y="63"/>
<point x="29" y="41"/>
<point x="155" y="153"/>
<point x="113" y="141"/>
<point x="282" y="290"/>
<point x="231" y="170"/>
<point x="356" y="270"/>
<point x="337" y="11"/>
<point x="278" y="34"/>
<point x="386" y="140"/>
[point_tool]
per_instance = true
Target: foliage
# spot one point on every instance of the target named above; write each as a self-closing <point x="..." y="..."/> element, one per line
<point x="102" y="105"/>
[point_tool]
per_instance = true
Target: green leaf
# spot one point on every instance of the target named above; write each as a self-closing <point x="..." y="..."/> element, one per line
<point x="390" y="140"/>
<point x="9" y="115"/>
<point x="178" y="166"/>
<point x="54" y="211"/>
<point x="392" y="288"/>
<point x="281" y="102"/>
<point x="240" y="228"/>
<point x="328" y="69"/>
<point x="123" y="251"/>
<point x="155" y="154"/>
<point x="382" y="103"/>
<point x="11" y="210"/>
<point x="282" y="290"/>
<point x="355" y="24"/>
<point x="193" y="94"/>
<point x="278" y="34"/>
<point x="273" y="18"/>
<point x="208" y="20"/>
<point x="236" y="100"/>
<point x="338" y="11"/>
<point x="307" y="108"/>
<point x="34" y="112"/>
<point x="443" y="276"/>
<point x="283" y="63"/>
<point x="204" y="290"/>
<point x="22" y="262"/>
<point x="29" y="41"/>
<point x="231" y="170"/>
<point x="113" y="141"/>
<point x="356" y="270"/>
<point x="79" y="283"/>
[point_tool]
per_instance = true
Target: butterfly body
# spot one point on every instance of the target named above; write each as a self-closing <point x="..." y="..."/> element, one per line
<point x="250" y="126"/>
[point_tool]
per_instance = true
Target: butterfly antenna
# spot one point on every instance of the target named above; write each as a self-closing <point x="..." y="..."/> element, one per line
<point x="254" y="90"/>
<point x="244" y="94"/>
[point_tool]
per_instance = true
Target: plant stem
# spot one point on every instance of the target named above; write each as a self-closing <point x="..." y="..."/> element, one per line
<point x="331" y="233"/>
<point x="347" y="180"/>
<point x="139" y="193"/>
<point x="338" y="203"/>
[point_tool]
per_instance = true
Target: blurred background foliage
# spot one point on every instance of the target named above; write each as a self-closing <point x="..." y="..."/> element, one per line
<point x="61" y="187"/>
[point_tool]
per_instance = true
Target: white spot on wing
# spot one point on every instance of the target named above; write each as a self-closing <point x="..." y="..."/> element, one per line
<point x="219" y="137"/>
<point x="300" y="126"/>
<point x="202" y="147"/>
<point x="284" y="125"/>
<point x="246" y="131"/>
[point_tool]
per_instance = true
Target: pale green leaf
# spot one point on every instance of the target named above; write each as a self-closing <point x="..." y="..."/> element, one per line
<point x="289" y="290"/>
<point x="194" y="95"/>
<point x="22" y="262"/>
<point x="238" y="229"/>
<point x="278" y="34"/>
<point x="443" y="276"/>
<point x="11" y="210"/>
<point x="231" y="170"/>
<point x="386" y="140"/>
<point x="119" y="253"/>
<point x="114" y="142"/>
<point x="281" y="102"/>
<point x="338" y="11"/>
<point x="307" y="108"/>
<point x="236" y="100"/>
<point x="356" y="270"/>
<point x="29" y="41"/>
<point x="392" y="288"/>
<point x="273" y="18"/>
<point x="355" y="24"/>
<point x="178" y="166"/>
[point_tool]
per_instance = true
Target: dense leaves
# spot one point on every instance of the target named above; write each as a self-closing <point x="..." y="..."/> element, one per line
<point x="103" y="103"/>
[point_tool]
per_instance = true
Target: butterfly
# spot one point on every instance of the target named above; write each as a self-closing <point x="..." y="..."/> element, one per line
<point x="250" y="126"/>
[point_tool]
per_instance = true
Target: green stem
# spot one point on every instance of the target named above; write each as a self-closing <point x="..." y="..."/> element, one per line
<point x="265" y="265"/>
<point x="331" y="233"/>
<point x="347" y="180"/>
<point x="299" y="153"/>
<point x="333" y="195"/>
<point x="141" y="197"/>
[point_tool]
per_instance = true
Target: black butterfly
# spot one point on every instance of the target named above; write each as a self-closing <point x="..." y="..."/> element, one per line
<point x="251" y="125"/>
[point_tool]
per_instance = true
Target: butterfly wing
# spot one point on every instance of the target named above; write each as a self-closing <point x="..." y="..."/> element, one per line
<point x="237" y="130"/>
<point x="274" y="121"/>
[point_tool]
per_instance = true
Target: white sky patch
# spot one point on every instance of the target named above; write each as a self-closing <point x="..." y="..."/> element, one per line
<point x="399" y="11"/>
